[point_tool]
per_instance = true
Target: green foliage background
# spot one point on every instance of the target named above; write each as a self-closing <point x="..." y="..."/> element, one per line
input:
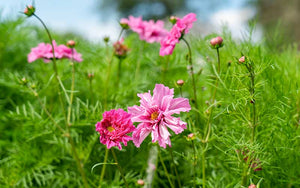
<point x="33" y="153"/>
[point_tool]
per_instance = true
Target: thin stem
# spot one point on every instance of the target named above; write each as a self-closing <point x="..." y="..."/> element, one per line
<point x="78" y="163"/>
<point x="176" y="172"/>
<point x="47" y="112"/>
<point x="103" y="168"/>
<point x="119" y="72"/>
<point x="164" y="166"/>
<point x="54" y="65"/>
<point x="91" y="89"/>
<point x="108" y="74"/>
<point x="253" y="105"/>
<point x="72" y="92"/>
<point x="119" y="167"/>
<point x="180" y="90"/>
<point x="192" y="73"/>
<point x="194" y="163"/>
<point x="208" y="125"/>
<point x="203" y="166"/>
<point x="80" y="168"/>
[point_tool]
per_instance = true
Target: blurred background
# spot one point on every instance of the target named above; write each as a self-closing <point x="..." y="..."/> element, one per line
<point x="94" y="19"/>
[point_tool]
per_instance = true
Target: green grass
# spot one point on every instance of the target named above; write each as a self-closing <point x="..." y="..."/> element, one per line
<point x="34" y="153"/>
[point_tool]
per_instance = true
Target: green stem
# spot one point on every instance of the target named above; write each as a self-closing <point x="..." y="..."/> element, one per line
<point x="108" y="74"/>
<point x="78" y="163"/>
<point x="253" y="105"/>
<point x="54" y="65"/>
<point x="192" y="73"/>
<point x="80" y="168"/>
<point x="119" y="167"/>
<point x="208" y="125"/>
<point x="175" y="168"/>
<point x="103" y="168"/>
<point x="72" y="93"/>
<point x="47" y="112"/>
<point x="165" y="168"/>
<point x="194" y="163"/>
<point x="180" y="89"/>
<point x="119" y="72"/>
<point x="203" y="166"/>
<point x="91" y="89"/>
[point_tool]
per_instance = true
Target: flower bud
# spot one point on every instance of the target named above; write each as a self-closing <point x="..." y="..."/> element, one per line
<point x="252" y="186"/>
<point x="29" y="10"/>
<point x="191" y="136"/>
<point x="71" y="43"/>
<point x="180" y="82"/>
<point x="173" y="19"/>
<point x="106" y="39"/>
<point x="120" y="49"/>
<point x="242" y="59"/>
<point x="216" y="42"/>
<point x="91" y="76"/>
<point x="140" y="182"/>
<point x="124" y="23"/>
<point x="23" y="81"/>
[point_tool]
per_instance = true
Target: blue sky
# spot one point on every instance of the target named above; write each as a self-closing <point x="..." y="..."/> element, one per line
<point x="83" y="17"/>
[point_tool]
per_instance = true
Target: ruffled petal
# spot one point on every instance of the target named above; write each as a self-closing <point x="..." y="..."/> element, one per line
<point x="178" y="105"/>
<point x="175" y="124"/>
<point x="140" y="133"/>
<point x="160" y="91"/>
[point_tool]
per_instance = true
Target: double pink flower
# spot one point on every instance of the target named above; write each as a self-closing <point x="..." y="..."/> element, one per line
<point x="44" y="51"/>
<point x="114" y="127"/>
<point x="181" y="27"/>
<point x="149" y="31"/>
<point x="155" y="115"/>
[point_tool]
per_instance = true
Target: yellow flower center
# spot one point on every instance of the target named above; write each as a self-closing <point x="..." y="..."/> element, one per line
<point x="110" y="129"/>
<point x="154" y="115"/>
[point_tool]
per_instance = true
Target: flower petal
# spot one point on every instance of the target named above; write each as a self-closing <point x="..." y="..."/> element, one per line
<point x="140" y="133"/>
<point x="160" y="91"/>
<point x="178" y="105"/>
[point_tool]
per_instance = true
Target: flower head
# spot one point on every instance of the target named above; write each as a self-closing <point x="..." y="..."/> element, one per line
<point x="71" y="43"/>
<point x="242" y="59"/>
<point x="114" y="127"/>
<point x="149" y="31"/>
<point x="180" y="82"/>
<point x="120" y="49"/>
<point x="29" y="10"/>
<point x="179" y="29"/>
<point x="252" y="186"/>
<point x="155" y="114"/>
<point x="44" y="51"/>
<point x="216" y="42"/>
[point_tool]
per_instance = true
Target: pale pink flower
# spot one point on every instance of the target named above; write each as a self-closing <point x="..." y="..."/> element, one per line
<point x="180" y="28"/>
<point x="216" y="42"/>
<point x="155" y="114"/>
<point x="114" y="127"/>
<point x="150" y="31"/>
<point x="252" y="186"/>
<point x="44" y="51"/>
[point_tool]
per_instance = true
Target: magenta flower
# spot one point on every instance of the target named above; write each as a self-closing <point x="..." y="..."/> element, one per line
<point x="44" y="51"/>
<point x="155" y="115"/>
<point x="149" y="31"/>
<point x="114" y="127"/>
<point x="180" y="28"/>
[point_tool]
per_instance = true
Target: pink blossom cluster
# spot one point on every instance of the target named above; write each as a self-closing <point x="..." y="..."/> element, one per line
<point x="155" y="115"/>
<point x="114" y="127"/>
<point x="149" y="31"/>
<point x="44" y="51"/>
<point x="180" y="28"/>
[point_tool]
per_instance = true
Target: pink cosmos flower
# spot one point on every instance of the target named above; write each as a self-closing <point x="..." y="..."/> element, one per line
<point x="155" y="115"/>
<point x="180" y="28"/>
<point x="44" y="51"/>
<point x="114" y="127"/>
<point x="149" y="31"/>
